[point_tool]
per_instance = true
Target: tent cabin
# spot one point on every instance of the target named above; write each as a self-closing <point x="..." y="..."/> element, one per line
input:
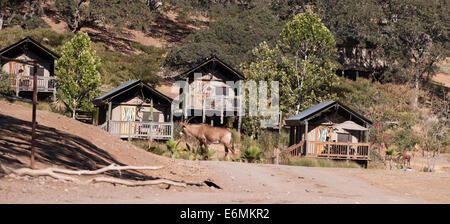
<point x="208" y="97"/>
<point x="14" y="58"/>
<point x="135" y="110"/>
<point x="329" y="130"/>
<point x="212" y="94"/>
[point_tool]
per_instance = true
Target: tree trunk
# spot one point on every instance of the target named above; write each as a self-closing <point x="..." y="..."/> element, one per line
<point x="73" y="113"/>
<point x="1" y="21"/>
<point x="416" y="86"/>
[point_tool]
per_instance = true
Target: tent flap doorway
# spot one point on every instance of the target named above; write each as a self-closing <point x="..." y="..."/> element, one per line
<point x="127" y="113"/>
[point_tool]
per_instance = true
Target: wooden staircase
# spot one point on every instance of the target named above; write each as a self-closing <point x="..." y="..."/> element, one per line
<point x="295" y="150"/>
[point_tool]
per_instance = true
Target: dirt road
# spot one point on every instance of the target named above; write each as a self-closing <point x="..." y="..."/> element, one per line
<point x="65" y="143"/>
<point x="240" y="183"/>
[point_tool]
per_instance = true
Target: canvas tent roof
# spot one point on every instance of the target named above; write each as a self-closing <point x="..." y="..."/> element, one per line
<point x="322" y="107"/>
<point x="125" y="87"/>
<point x="350" y="125"/>
<point x="31" y="44"/>
<point x="213" y="59"/>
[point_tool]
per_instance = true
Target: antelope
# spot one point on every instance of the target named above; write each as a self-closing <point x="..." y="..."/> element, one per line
<point x="406" y="158"/>
<point x="206" y="134"/>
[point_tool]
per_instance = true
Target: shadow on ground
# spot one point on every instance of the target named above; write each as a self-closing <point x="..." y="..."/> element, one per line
<point x="54" y="147"/>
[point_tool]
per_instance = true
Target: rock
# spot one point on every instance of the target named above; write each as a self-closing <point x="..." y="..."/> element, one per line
<point x="66" y="190"/>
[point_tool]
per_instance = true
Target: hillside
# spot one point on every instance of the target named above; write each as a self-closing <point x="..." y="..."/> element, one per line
<point x="66" y="143"/>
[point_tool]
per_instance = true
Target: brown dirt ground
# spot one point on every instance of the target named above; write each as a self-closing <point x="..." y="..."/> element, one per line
<point x="70" y="144"/>
<point x="66" y="143"/>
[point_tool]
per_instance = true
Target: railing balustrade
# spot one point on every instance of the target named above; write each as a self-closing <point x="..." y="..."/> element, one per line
<point x="141" y="130"/>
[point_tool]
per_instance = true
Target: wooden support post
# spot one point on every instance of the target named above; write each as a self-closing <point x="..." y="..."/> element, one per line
<point x="171" y="121"/>
<point x="17" y="85"/>
<point x="239" y="123"/>
<point x="186" y="98"/>
<point x="280" y="121"/>
<point x="54" y="94"/>
<point x="306" y="137"/>
<point x="292" y="135"/>
<point x="221" y="111"/>
<point x="151" y="131"/>
<point x="240" y="110"/>
<point x="203" y="110"/>
<point x="33" y="120"/>
<point x="151" y="110"/>
<point x="109" y="116"/>
<point x="129" y="130"/>
<point x="328" y="144"/>
<point x="348" y="150"/>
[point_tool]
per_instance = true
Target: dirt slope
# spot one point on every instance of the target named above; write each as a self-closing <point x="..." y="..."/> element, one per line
<point x="68" y="143"/>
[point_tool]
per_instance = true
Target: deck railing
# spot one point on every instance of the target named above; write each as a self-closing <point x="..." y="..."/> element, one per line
<point x="217" y="103"/>
<point x="295" y="150"/>
<point x="140" y="130"/>
<point x="25" y="83"/>
<point x="339" y="149"/>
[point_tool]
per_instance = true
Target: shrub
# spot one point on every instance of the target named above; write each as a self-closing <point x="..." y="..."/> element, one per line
<point x="252" y="154"/>
<point x="6" y="82"/>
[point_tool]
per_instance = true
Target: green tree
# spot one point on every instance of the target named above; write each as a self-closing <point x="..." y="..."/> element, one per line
<point x="115" y="13"/>
<point x="417" y="33"/>
<point x="77" y="74"/>
<point x="230" y="38"/>
<point x="302" y="61"/>
<point x="25" y="13"/>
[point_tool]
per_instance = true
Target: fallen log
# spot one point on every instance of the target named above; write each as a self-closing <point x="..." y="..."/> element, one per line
<point x="62" y="174"/>
<point x="137" y="183"/>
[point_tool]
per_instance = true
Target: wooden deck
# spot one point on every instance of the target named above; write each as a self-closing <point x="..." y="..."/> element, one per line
<point x="332" y="150"/>
<point x="139" y="130"/>
<point x="25" y="83"/>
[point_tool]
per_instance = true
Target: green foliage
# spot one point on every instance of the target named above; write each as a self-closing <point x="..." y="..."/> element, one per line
<point x="230" y="38"/>
<point x="12" y="13"/>
<point x="389" y="106"/>
<point x="173" y="148"/>
<point x="391" y="152"/>
<point x="251" y="154"/>
<point x="261" y="147"/>
<point x="302" y="61"/>
<point x="113" y="14"/>
<point x="6" y="82"/>
<point x="77" y="74"/>
<point x="53" y="40"/>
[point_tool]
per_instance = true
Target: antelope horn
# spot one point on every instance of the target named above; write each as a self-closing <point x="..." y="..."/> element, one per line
<point x="187" y="122"/>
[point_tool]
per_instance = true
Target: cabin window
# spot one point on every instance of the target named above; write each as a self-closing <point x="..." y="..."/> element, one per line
<point x="322" y="134"/>
<point x="344" y="137"/>
<point x="180" y="91"/>
<point x="221" y="91"/>
<point x="156" y="116"/>
<point x="145" y="116"/>
<point x="40" y="72"/>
